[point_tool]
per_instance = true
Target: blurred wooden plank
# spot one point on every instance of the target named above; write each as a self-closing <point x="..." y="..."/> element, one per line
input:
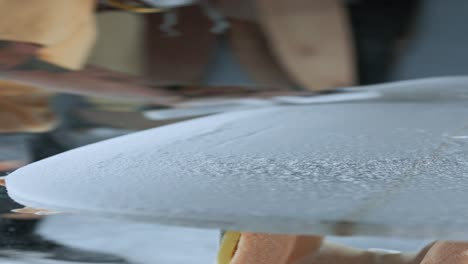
<point x="311" y="39"/>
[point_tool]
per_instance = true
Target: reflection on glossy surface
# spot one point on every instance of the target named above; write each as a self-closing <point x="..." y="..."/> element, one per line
<point x="33" y="211"/>
<point x="75" y="239"/>
<point x="135" y="241"/>
<point x="20" y="243"/>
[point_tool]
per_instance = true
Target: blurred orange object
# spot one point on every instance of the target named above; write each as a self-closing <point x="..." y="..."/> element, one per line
<point x="66" y="30"/>
<point x="9" y="165"/>
<point x="25" y="109"/>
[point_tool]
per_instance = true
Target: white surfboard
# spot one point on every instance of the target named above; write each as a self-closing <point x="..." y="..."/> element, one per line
<point x="395" y="164"/>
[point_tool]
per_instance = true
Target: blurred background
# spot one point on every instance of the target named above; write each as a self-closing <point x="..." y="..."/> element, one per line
<point x="66" y="84"/>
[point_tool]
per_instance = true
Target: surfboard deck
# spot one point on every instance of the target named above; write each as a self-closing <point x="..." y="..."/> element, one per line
<point x="395" y="164"/>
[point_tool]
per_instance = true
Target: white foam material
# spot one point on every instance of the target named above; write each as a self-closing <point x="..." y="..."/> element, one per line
<point x="363" y="165"/>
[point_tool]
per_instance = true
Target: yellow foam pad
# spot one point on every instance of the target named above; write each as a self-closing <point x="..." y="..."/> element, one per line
<point x="228" y="247"/>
